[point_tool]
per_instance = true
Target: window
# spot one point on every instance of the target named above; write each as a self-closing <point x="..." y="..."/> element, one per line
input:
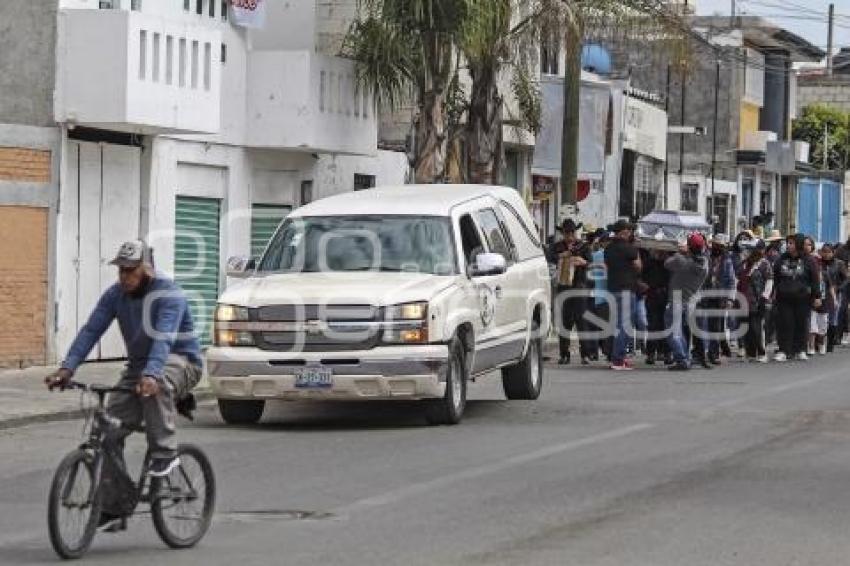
<point x="199" y="7"/>
<point x="550" y="54"/>
<point x="690" y="197"/>
<point x="207" y="66"/>
<point x="646" y="188"/>
<point x="223" y="9"/>
<point x="195" y="62"/>
<point x="136" y="5"/>
<point x="187" y="5"/>
<point x="362" y="243"/>
<point x="182" y="62"/>
<point x="747" y="188"/>
<point x="169" y="60"/>
<point x="470" y="240"/>
<point x="143" y="54"/>
<point x="525" y="240"/>
<point x="363" y="182"/>
<point x="323" y="89"/>
<point x="156" y="57"/>
<point x="306" y="192"/>
<point x="496" y="241"/>
<point x="223" y="53"/>
<point x="212" y="8"/>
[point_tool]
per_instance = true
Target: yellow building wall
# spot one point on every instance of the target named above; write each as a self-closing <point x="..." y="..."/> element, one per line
<point x="749" y="121"/>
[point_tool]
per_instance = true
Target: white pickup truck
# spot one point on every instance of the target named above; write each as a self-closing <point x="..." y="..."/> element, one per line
<point x="393" y="293"/>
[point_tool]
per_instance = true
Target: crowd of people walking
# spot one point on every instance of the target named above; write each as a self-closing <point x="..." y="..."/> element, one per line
<point x="759" y="298"/>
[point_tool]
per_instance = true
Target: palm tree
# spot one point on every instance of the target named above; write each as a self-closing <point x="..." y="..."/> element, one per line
<point x="500" y="37"/>
<point x="406" y="52"/>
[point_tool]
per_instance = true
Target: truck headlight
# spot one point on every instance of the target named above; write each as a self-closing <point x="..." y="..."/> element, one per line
<point x="231" y="313"/>
<point x="417" y="334"/>
<point x="407" y="311"/>
<point x="233" y="338"/>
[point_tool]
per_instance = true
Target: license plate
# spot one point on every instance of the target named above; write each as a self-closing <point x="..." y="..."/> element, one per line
<point x="314" y="378"/>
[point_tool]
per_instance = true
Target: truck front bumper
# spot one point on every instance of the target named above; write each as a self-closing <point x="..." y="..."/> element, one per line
<point x="391" y="372"/>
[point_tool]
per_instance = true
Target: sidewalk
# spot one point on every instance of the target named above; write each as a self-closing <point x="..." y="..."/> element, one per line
<point x="25" y="400"/>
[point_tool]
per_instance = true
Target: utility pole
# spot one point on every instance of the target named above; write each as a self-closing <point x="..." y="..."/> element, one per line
<point x="667" y="151"/>
<point x="572" y="107"/>
<point x="826" y="147"/>
<point x="714" y="136"/>
<point x="829" y="40"/>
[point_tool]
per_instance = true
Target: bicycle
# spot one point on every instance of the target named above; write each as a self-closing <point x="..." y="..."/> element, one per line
<point x="76" y="493"/>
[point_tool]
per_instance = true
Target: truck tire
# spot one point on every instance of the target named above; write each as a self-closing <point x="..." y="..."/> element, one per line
<point x="524" y="380"/>
<point x="449" y="409"/>
<point x="241" y="412"/>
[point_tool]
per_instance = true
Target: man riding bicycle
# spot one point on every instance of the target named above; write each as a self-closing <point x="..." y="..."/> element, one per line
<point x="163" y="355"/>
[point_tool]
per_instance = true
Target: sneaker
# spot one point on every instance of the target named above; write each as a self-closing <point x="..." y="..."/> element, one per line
<point x="763" y="359"/>
<point x="679" y="366"/>
<point x="585" y="361"/>
<point x="161" y="467"/>
<point x="822" y="350"/>
<point x="809" y="352"/>
<point x="802" y="357"/>
<point x="780" y="357"/>
<point x="622" y="366"/>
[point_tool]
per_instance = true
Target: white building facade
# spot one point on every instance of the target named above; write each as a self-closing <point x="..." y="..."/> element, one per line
<point x="175" y="124"/>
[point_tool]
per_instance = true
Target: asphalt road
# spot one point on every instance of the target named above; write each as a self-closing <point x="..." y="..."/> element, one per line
<point x="749" y="464"/>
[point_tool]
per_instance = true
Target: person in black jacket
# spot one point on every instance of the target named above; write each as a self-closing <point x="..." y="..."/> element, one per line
<point x="655" y="278"/>
<point x="798" y="290"/>
<point x="836" y="278"/>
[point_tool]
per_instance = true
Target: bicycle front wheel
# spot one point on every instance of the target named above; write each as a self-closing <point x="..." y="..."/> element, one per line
<point x="183" y="502"/>
<point x="73" y="506"/>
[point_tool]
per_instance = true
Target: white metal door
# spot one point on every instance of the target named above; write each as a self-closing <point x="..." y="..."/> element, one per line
<point x="119" y="221"/>
<point x="105" y="192"/>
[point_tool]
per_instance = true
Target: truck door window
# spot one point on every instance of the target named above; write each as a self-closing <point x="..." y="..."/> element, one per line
<point x="492" y="229"/>
<point x="470" y="240"/>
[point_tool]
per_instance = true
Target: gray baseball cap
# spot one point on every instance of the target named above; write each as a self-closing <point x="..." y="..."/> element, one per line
<point x="132" y="254"/>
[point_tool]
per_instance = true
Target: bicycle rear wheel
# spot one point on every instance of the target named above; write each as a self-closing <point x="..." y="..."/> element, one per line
<point x="73" y="507"/>
<point x="182" y="503"/>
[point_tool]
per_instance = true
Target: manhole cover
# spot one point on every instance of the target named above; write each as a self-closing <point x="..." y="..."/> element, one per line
<point x="264" y="515"/>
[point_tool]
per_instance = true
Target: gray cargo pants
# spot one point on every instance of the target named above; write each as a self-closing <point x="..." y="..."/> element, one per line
<point x="157" y="413"/>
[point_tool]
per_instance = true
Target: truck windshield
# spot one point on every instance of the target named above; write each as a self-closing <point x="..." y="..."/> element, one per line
<point x="415" y="244"/>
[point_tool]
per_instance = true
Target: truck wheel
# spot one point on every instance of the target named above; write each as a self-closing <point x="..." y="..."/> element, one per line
<point x="525" y="379"/>
<point x="241" y="412"/>
<point x="449" y="409"/>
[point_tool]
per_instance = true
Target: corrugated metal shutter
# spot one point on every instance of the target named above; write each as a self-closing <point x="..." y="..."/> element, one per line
<point x="264" y="221"/>
<point x="196" y="258"/>
<point x="830" y="212"/>
<point x="807" y="207"/>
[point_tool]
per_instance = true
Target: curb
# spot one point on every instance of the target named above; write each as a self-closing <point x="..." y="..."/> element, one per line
<point x="203" y="396"/>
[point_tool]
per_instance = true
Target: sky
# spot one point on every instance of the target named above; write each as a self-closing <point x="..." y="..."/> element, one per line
<point x="807" y="18"/>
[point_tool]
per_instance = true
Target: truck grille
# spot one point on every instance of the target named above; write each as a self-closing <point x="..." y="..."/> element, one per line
<point x="327" y="328"/>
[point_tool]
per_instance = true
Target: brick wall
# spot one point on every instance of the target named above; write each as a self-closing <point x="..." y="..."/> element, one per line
<point x="22" y="164"/>
<point x="23" y="285"/>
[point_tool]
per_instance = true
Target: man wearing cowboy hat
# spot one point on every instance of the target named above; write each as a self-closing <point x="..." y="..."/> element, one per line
<point x="574" y="255"/>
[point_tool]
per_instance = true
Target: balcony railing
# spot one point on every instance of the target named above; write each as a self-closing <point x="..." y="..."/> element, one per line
<point x="138" y="73"/>
<point x="304" y="101"/>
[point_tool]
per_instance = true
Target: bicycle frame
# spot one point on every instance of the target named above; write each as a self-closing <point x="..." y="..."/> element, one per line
<point x="102" y="424"/>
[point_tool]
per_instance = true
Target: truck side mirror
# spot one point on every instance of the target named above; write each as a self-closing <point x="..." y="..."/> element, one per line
<point x="240" y="267"/>
<point x="488" y="264"/>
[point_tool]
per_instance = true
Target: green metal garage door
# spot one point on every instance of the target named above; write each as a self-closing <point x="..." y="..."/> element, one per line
<point x="264" y="221"/>
<point x="197" y="259"/>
